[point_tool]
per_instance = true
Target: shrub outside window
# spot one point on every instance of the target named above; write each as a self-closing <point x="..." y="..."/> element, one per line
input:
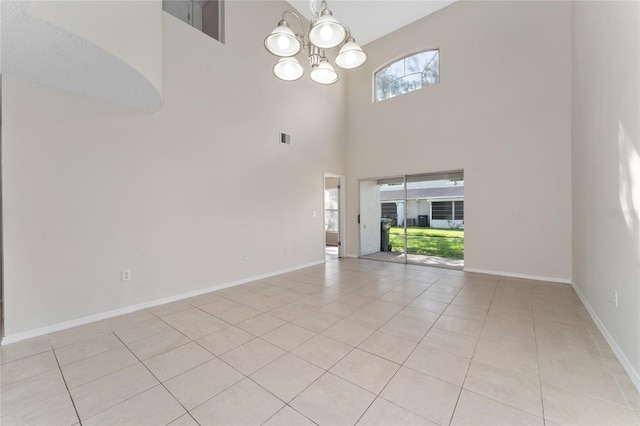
<point x="408" y="74"/>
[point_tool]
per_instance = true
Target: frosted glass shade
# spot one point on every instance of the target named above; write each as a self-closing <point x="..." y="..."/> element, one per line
<point x="282" y="41"/>
<point x="351" y="55"/>
<point x="324" y="73"/>
<point x="327" y="32"/>
<point x="288" y="69"/>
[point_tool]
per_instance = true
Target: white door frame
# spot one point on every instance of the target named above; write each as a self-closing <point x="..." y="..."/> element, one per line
<point x="341" y="212"/>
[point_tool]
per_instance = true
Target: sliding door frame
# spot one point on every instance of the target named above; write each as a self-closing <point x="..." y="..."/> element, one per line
<point x="418" y="177"/>
<point x="382" y="180"/>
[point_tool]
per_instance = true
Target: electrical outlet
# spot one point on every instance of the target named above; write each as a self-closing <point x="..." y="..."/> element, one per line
<point x="615" y="299"/>
<point x="245" y="257"/>
<point x="314" y="214"/>
<point x="125" y="275"/>
<point x="285" y="251"/>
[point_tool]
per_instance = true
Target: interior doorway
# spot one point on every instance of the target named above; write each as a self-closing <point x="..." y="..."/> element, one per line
<point x="333" y="215"/>
<point x="415" y="219"/>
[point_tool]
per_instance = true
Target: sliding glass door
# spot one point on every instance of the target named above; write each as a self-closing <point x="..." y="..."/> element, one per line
<point x="435" y="218"/>
<point x="381" y="219"/>
<point x="416" y="219"/>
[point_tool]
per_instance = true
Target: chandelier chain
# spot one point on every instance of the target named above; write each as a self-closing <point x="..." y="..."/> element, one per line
<point x="316" y="8"/>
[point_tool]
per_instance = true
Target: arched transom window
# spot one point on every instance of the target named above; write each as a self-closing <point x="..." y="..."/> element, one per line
<point x="408" y="74"/>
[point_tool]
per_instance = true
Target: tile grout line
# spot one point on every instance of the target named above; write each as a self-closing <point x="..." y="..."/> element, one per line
<point x="387" y="279"/>
<point x="474" y="353"/>
<point x="624" y="394"/>
<point x="595" y="346"/>
<point x="196" y="366"/>
<point x="66" y="385"/>
<point x="240" y="372"/>
<point x="470" y="359"/>
<point x="286" y="352"/>
<point x="95" y="356"/>
<point x="343" y="357"/>
<point x="535" y="334"/>
<point x="286" y="405"/>
<point x="379" y="395"/>
<point x="159" y="382"/>
<point x="289" y="351"/>
<point x="147" y="368"/>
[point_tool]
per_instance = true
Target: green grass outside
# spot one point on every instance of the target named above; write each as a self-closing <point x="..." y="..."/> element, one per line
<point x="428" y="232"/>
<point x="429" y="241"/>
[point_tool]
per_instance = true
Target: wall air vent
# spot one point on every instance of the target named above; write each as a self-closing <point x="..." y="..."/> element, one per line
<point x="285" y="139"/>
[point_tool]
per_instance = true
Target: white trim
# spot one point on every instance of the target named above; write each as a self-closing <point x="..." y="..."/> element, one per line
<point x="400" y="200"/>
<point x="523" y="276"/>
<point x="633" y="374"/>
<point x="116" y="312"/>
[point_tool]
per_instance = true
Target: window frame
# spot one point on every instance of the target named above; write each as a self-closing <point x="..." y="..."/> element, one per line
<point x="398" y="59"/>
<point x="451" y="206"/>
<point x="456" y="212"/>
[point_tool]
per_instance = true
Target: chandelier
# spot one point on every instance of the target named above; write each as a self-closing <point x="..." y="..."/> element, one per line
<point x="325" y="32"/>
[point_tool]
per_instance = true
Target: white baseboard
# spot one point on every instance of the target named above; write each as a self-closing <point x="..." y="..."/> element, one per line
<point x="633" y="374"/>
<point x="523" y="276"/>
<point x="122" y="311"/>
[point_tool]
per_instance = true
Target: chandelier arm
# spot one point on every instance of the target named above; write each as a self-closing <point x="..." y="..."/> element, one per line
<point x="317" y="11"/>
<point x="291" y="12"/>
<point x="348" y="30"/>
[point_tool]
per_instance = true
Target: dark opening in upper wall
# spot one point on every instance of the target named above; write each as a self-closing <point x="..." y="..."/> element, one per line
<point x="204" y="15"/>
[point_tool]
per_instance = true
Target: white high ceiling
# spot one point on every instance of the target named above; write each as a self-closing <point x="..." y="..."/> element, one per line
<point x="372" y="19"/>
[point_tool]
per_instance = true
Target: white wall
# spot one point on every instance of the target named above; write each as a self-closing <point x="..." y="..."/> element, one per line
<point x="606" y="169"/>
<point x="400" y="211"/>
<point x="501" y="113"/>
<point x="413" y="208"/>
<point x="439" y="223"/>
<point x="370" y="214"/>
<point x="91" y="188"/>
<point x="416" y="208"/>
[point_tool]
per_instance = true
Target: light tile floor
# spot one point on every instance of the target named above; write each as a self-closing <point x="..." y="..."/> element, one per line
<point x="331" y="252"/>
<point x="348" y="342"/>
<point x="417" y="259"/>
